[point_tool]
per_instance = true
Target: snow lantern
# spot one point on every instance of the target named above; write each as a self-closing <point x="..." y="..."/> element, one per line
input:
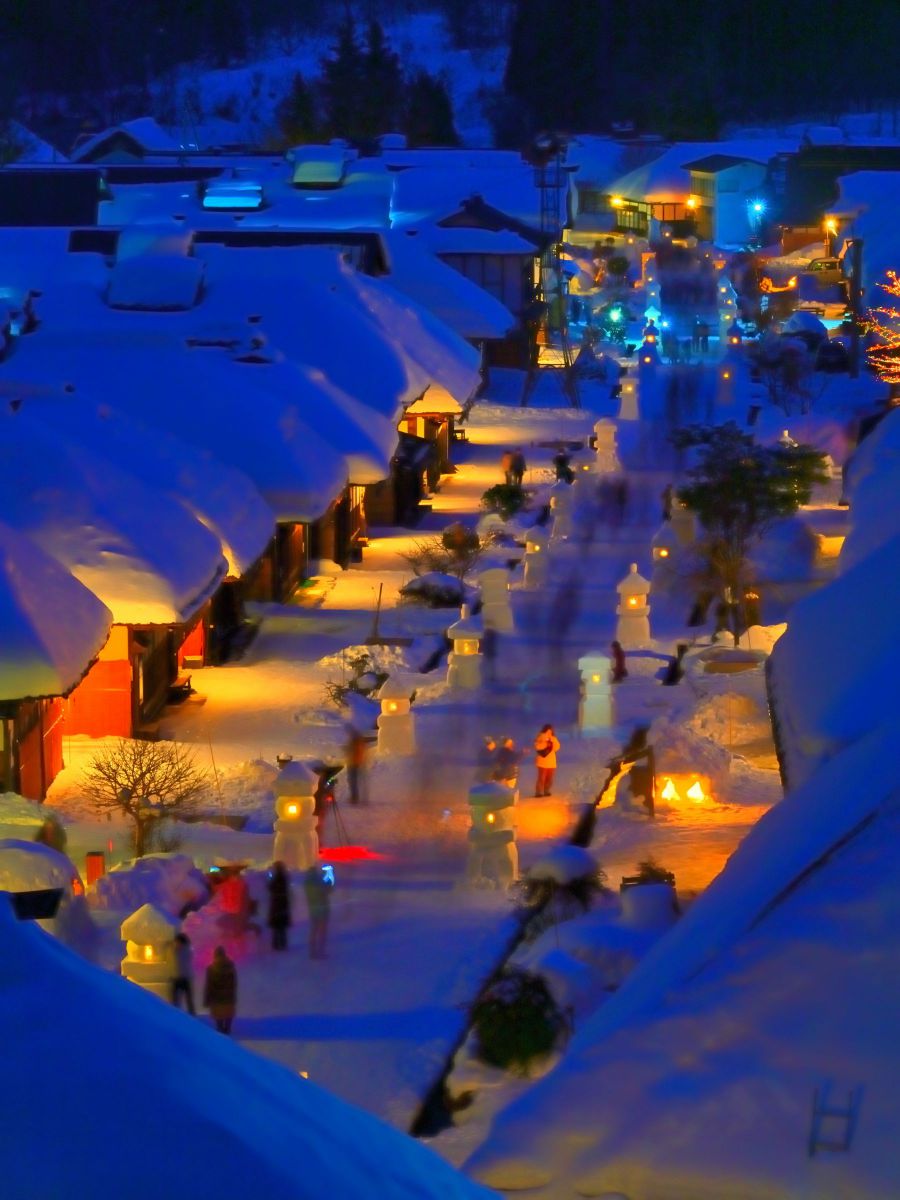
<point x="464" y="660"/>
<point x="727" y="300"/>
<point x="735" y="337"/>
<point x="628" y="403"/>
<point x="560" y="496"/>
<point x="582" y="462"/>
<point x="493" y="856"/>
<point x="496" y="612"/>
<point x="633" y="610"/>
<point x="561" y="500"/>
<point x="649" y="353"/>
<point x="685" y="789"/>
<point x="605" y="449"/>
<point x="683" y="522"/>
<point x="664" y="549"/>
<point x="536" y="556"/>
<point x="296" y="835"/>
<point x="595" y="710"/>
<point x="652" y="316"/>
<point x="149" y="936"/>
<point x="396" y="723"/>
<point x="725" y="381"/>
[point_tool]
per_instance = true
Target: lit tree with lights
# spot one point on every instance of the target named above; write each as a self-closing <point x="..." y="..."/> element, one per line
<point x="884" y="323"/>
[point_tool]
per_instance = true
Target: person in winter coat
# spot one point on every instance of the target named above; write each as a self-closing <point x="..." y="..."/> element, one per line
<point x="220" y="990"/>
<point x="546" y="747"/>
<point x="356" y="753"/>
<point x="506" y="466"/>
<point x="619" y="670"/>
<point x="506" y="769"/>
<point x="518" y="467"/>
<point x="279" y="885"/>
<point x="318" y="901"/>
<point x="486" y="762"/>
<point x="183" y="983"/>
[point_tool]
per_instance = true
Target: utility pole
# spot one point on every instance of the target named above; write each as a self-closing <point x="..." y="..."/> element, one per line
<point x="855" y="246"/>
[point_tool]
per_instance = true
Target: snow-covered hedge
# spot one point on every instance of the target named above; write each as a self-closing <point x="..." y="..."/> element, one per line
<point x="169" y="881"/>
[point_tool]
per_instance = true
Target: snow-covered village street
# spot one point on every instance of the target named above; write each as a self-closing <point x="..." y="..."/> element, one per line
<point x="449" y="549"/>
<point x="401" y="898"/>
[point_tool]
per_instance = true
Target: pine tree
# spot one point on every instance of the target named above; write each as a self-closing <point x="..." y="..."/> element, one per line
<point x="343" y="82"/>
<point x="429" y="112"/>
<point x="381" y="104"/>
<point x="297" y="114"/>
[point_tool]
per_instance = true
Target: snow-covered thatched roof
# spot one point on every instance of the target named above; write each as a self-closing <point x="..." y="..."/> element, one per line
<point x="52" y="626"/>
<point x="143" y="1095"/>
<point x="468" y="309"/>
<point x="220" y="497"/>
<point x="142" y="553"/>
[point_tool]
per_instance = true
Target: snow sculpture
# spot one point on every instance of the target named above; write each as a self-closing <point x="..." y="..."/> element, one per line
<point x="606" y="451"/>
<point x="496" y="612"/>
<point x="396" y="724"/>
<point x="149" y="936"/>
<point x="683" y="523"/>
<point x="536" y="556"/>
<point x="595" y="709"/>
<point x="628" y="402"/>
<point x="725" y="381"/>
<point x="493" y="855"/>
<point x="652" y="315"/>
<point x="664" y="551"/>
<point x="649" y="355"/>
<point x="583" y="463"/>
<point x="561" y="499"/>
<point x="490" y="525"/>
<point x="296" y="836"/>
<point x="633" y="611"/>
<point x="464" y="660"/>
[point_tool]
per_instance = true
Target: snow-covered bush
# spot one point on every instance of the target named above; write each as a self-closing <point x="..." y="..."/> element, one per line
<point x="363" y="680"/>
<point x="505" y="498"/>
<point x="562" y="884"/>
<point x="438" y="590"/>
<point x="168" y="881"/>
<point x="516" y="1021"/>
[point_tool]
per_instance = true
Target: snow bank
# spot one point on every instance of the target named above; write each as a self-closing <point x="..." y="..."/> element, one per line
<point x="699" y="1041"/>
<point x="231" y="1125"/>
<point x="170" y="882"/>
<point x="834" y="677"/>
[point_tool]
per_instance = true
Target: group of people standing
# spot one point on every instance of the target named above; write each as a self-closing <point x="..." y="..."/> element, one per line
<point x="513" y="466"/>
<point x="220" y="985"/>
<point x="500" y="760"/>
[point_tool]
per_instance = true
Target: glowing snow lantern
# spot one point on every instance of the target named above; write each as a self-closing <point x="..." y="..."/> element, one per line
<point x="669" y="792"/>
<point x="296" y="837"/>
<point x="595" y="711"/>
<point x="149" y="936"/>
<point x="633" y="610"/>
<point x="396" y="723"/>
<point x="695" y="792"/>
<point x="536" y="556"/>
<point x="664" y="551"/>
<point x="496" y="611"/>
<point x="464" y="660"/>
<point x="493" y="856"/>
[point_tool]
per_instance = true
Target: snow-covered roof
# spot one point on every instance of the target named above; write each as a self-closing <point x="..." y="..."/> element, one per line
<point x="698" y="1077"/>
<point x="460" y="239"/>
<point x="464" y="306"/>
<point x="220" y="497"/>
<point x="597" y="160"/>
<point x="33" y="150"/>
<point x="141" y="553"/>
<point x="873" y="488"/>
<point x="174" y="1101"/>
<point x="153" y="237"/>
<point x="667" y="178"/>
<point x="425" y="195"/>
<point x="145" y="131"/>
<point x="53" y="627"/>
<point x="155" y="282"/>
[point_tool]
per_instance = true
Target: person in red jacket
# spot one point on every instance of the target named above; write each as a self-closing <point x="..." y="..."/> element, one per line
<point x="546" y="747"/>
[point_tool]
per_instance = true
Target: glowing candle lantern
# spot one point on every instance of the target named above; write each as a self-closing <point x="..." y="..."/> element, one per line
<point x="695" y="792"/>
<point x="464" y="660"/>
<point x="296" y="838"/>
<point x="669" y="792"/>
<point x="396" y="723"/>
<point x="633" y="610"/>
<point x="149" y="936"/>
<point x="493" y="859"/>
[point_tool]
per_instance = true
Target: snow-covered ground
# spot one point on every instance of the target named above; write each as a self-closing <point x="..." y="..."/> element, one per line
<point x="409" y="946"/>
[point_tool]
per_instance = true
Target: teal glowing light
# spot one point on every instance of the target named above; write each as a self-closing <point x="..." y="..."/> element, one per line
<point x="615" y="314"/>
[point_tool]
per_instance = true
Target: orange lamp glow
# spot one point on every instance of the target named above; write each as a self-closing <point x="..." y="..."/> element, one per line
<point x="616" y="201"/>
<point x="292" y="810"/>
<point x="695" y="792"/>
<point x="632" y="601"/>
<point x="663" y="552"/>
<point x="490" y="818"/>
<point x="148" y="954"/>
<point x="669" y="791"/>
